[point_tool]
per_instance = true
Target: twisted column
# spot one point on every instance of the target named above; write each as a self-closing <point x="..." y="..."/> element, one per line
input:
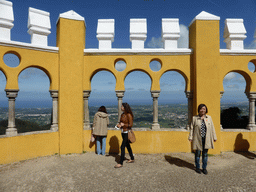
<point x="86" y="96"/>
<point x="189" y="95"/>
<point x="54" y="95"/>
<point x="251" y="96"/>
<point x="155" y="95"/>
<point x="11" y="129"/>
<point x="120" y="95"/>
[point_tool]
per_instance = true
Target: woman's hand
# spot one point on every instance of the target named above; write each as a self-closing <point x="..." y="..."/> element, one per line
<point x="122" y="124"/>
<point x="190" y="140"/>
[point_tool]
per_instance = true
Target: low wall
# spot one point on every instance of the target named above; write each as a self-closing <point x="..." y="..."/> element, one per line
<point x="27" y="146"/>
<point x="147" y="141"/>
<point x="238" y="140"/>
<point x="44" y="143"/>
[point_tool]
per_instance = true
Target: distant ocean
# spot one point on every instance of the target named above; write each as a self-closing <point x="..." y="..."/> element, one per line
<point x="99" y="102"/>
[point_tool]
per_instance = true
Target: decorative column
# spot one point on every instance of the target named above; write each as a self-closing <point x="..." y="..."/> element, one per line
<point x="251" y="96"/>
<point x="11" y="94"/>
<point x="120" y="95"/>
<point x="54" y="95"/>
<point x="86" y="96"/>
<point x="155" y="95"/>
<point x="221" y="94"/>
<point x="189" y="95"/>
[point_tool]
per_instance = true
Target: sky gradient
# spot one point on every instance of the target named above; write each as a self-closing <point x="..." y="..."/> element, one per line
<point x="34" y="84"/>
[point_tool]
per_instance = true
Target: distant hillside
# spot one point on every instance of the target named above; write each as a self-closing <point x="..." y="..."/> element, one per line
<point x="23" y="126"/>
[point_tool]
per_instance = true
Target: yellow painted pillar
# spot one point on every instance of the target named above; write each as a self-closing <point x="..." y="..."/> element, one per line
<point x="71" y="43"/>
<point x="205" y="66"/>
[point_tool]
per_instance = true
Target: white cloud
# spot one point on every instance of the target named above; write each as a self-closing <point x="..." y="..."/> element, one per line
<point x="32" y="72"/>
<point x="156" y="42"/>
<point x="230" y="76"/>
<point x="233" y="86"/>
<point x="184" y="37"/>
<point x="120" y="65"/>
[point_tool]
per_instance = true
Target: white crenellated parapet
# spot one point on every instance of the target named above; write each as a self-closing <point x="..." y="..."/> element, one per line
<point x="234" y="34"/>
<point x="105" y="33"/>
<point x="138" y="33"/>
<point x="6" y="19"/>
<point x="170" y="33"/>
<point x="39" y="26"/>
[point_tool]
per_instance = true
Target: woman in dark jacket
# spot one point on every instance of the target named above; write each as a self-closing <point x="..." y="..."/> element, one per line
<point x="125" y="124"/>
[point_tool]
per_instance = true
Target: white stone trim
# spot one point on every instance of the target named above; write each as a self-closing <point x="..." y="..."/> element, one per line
<point x="243" y="52"/>
<point x="138" y="52"/>
<point x="39" y="26"/>
<point x="138" y="33"/>
<point x="105" y="33"/>
<point x="170" y="33"/>
<point x="6" y="19"/>
<point x="204" y="16"/>
<point x="29" y="46"/>
<point x="71" y="15"/>
<point x="234" y="34"/>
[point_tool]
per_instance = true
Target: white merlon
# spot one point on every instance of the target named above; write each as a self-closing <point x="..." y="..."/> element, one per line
<point x="105" y="33"/>
<point x="6" y="19"/>
<point x="138" y="33"/>
<point x="39" y="26"/>
<point x="234" y="34"/>
<point x="205" y="16"/>
<point x="170" y="33"/>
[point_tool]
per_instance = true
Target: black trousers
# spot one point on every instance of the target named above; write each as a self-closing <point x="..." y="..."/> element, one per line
<point x="126" y="144"/>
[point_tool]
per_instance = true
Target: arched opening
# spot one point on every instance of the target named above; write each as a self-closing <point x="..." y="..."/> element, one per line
<point x="3" y="105"/>
<point x="138" y="96"/>
<point x="33" y="106"/>
<point x="173" y="104"/>
<point x="234" y="102"/>
<point x="103" y="93"/>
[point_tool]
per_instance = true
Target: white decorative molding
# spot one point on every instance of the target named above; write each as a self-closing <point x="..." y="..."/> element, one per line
<point x="183" y="51"/>
<point x="238" y="52"/>
<point x="205" y="16"/>
<point x="71" y="15"/>
<point x="105" y="33"/>
<point x="138" y="33"/>
<point x="6" y="19"/>
<point x="234" y="34"/>
<point x="29" y="46"/>
<point x="170" y="33"/>
<point x="39" y="26"/>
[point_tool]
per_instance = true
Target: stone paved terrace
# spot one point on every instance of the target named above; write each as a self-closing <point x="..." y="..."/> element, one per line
<point x="151" y="172"/>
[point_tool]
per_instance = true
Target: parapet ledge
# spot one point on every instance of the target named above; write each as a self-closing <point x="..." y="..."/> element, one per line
<point x="29" y="46"/>
<point x="179" y="51"/>
<point x="29" y="133"/>
<point x="238" y="52"/>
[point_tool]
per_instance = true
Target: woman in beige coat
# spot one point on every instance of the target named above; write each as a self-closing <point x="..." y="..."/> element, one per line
<point x="202" y="135"/>
<point x="100" y="129"/>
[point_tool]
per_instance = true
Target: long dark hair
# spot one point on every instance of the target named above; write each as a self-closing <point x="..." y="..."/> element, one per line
<point x="102" y="109"/>
<point x="127" y="108"/>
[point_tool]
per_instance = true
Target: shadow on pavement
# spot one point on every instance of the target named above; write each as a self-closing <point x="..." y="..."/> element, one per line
<point x="179" y="162"/>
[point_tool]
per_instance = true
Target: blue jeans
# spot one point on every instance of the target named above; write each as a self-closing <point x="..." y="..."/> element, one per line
<point x="204" y="156"/>
<point x="101" y="141"/>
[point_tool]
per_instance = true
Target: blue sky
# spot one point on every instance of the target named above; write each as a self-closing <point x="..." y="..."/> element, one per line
<point x="33" y="81"/>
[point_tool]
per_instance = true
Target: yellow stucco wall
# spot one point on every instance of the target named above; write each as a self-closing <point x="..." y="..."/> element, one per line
<point x="70" y="71"/>
<point x="24" y="147"/>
